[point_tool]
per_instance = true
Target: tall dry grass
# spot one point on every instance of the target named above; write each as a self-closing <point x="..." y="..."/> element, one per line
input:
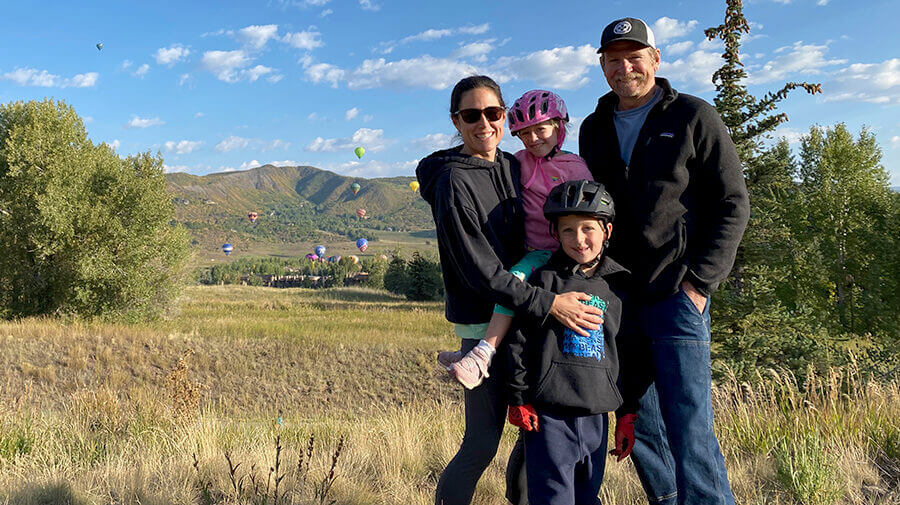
<point x="96" y="414"/>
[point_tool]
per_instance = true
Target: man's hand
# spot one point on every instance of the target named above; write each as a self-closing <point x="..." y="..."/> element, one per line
<point x="523" y="416"/>
<point x="624" y="436"/>
<point x="573" y="314"/>
<point x="695" y="296"/>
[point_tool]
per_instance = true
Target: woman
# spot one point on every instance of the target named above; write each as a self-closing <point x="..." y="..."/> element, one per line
<point x="473" y="190"/>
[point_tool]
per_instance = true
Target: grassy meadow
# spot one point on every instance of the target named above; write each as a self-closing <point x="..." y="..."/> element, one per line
<point x="259" y="395"/>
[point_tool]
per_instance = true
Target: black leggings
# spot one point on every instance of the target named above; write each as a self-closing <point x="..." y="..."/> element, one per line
<point x="485" y="417"/>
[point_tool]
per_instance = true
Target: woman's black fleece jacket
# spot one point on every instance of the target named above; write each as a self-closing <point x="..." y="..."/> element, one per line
<point x="561" y="373"/>
<point x="481" y="234"/>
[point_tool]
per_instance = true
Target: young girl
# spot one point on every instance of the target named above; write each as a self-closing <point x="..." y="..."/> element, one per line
<point x="539" y="119"/>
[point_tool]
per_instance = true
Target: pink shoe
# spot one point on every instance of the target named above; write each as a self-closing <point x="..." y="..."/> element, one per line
<point x="472" y="369"/>
<point x="447" y="358"/>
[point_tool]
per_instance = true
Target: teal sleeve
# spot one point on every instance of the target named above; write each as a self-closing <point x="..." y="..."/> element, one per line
<point x="523" y="270"/>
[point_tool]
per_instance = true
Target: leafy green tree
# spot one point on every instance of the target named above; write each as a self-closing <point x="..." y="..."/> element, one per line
<point x="376" y="269"/>
<point x="424" y="281"/>
<point x="82" y="231"/>
<point x="396" y="276"/>
<point x="848" y="232"/>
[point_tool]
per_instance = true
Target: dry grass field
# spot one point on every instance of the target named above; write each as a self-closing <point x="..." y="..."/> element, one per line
<point x="333" y="396"/>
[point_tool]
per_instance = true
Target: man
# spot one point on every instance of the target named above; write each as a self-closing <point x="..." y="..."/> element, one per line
<point x="670" y="165"/>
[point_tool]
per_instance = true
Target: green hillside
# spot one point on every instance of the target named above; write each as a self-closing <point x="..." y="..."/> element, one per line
<point x="295" y="204"/>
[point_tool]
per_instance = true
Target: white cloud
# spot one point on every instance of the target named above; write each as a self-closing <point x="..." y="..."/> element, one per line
<point x="225" y="64"/>
<point x="351" y="113"/>
<point x="434" y="34"/>
<point x="695" y="70"/>
<point x="560" y="67"/>
<point x="126" y="64"/>
<point x="249" y="164"/>
<point x="432" y="142"/>
<point x="326" y="13"/>
<point x="421" y="72"/>
<point x="274" y="78"/>
<point x="231" y="143"/>
<point x="792" y="135"/>
<point x="252" y="74"/>
<point x="141" y="71"/>
<point x="308" y="40"/>
<point x="183" y="146"/>
<point x="171" y="55"/>
<point x="183" y="79"/>
<point x="477" y="51"/>
<point x="175" y="168"/>
<point x="114" y="144"/>
<point x="199" y="114"/>
<point x="87" y="119"/>
<point x="87" y="80"/>
<point x="895" y="141"/>
<point x="44" y="79"/>
<point x="800" y="58"/>
<point x="369" y="5"/>
<point x="678" y="48"/>
<point x="822" y="2"/>
<point x="372" y="140"/>
<point x="866" y="82"/>
<point x="229" y="66"/>
<point x="312" y="116"/>
<point x="256" y="36"/>
<point x="367" y="118"/>
<point x="139" y="122"/>
<point x="667" y="28"/>
<point x="276" y="144"/>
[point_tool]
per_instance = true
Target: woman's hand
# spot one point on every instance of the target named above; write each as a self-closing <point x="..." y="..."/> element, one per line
<point x="573" y="314"/>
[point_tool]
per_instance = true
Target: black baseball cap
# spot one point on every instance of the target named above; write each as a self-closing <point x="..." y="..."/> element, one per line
<point x="633" y="29"/>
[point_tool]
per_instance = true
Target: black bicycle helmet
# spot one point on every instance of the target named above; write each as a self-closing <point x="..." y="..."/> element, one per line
<point x="580" y="197"/>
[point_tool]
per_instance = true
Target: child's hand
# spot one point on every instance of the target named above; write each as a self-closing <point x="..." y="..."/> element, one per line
<point x="624" y="436"/>
<point x="523" y="416"/>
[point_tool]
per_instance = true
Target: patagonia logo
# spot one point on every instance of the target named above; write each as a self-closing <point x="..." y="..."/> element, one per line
<point x="554" y="178"/>
<point x="667" y="135"/>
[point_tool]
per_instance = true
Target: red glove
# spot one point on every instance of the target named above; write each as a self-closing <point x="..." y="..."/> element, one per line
<point x="624" y="436"/>
<point x="523" y="416"/>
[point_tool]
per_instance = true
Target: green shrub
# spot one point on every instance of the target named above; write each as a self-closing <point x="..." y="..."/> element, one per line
<point x="806" y="470"/>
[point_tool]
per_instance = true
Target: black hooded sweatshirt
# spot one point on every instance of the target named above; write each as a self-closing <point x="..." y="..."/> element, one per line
<point x="550" y="367"/>
<point x="481" y="234"/>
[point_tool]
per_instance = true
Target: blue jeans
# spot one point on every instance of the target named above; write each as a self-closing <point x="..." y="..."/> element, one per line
<point x="676" y="452"/>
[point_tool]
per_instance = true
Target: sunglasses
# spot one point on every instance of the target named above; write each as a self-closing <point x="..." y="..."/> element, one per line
<point x="493" y="113"/>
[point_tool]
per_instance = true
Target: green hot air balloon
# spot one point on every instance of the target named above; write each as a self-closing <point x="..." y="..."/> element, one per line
<point x="99" y="45"/>
<point x="359" y="152"/>
<point x="355" y="187"/>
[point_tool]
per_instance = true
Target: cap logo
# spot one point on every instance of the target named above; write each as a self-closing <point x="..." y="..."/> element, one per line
<point x="622" y="27"/>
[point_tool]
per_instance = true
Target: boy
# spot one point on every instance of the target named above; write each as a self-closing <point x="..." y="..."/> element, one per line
<point x="562" y="384"/>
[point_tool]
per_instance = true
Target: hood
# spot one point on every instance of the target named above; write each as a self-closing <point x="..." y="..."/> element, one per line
<point x="433" y="167"/>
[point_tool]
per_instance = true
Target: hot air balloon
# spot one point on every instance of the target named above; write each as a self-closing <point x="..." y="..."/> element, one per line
<point x="361" y="213"/>
<point x="311" y="257"/>
<point x="99" y="46"/>
<point x="253" y="216"/>
<point x="362" y="244"/>
<point x="355" y="187"/>
<point x="354" y="258"/>
<point x="320" y="251"/>
<point x="227" y="248"/>
<point x="414" y="185"/>
<point x="359" y="151"/>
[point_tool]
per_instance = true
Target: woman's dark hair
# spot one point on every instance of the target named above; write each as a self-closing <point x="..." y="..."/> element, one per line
<point x="470" y="83"/>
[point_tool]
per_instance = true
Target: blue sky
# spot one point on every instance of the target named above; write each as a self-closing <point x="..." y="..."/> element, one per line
<point x="228" y="85"/>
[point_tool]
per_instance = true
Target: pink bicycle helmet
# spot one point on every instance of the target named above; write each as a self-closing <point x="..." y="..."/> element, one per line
<point x="537" y="106"/>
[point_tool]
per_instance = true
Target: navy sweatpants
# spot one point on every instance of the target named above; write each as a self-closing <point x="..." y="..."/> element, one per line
<point x="565" y="459"/>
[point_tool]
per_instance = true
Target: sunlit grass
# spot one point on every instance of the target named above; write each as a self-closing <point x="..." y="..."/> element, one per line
<point x="88" y="411"/>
